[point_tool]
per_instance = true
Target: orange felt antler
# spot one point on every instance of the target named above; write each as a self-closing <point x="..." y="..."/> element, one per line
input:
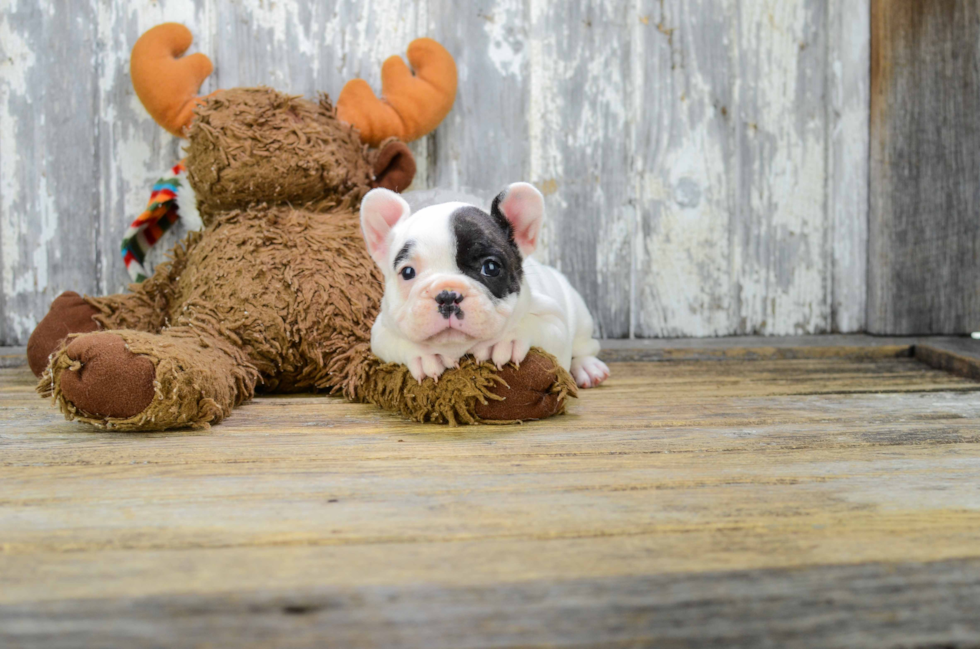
<point x="165" y="83"/>
<point x="410" y="106"/>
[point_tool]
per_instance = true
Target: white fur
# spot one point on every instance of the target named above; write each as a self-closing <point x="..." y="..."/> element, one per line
<point x="187" y="204"/>
<point x="547" y="312"/>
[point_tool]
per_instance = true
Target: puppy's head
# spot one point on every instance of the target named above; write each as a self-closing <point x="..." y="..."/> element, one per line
<point x="452" y="271"/>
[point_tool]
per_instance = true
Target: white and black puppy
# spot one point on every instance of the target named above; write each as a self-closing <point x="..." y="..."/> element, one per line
<point x="459" y="280"/>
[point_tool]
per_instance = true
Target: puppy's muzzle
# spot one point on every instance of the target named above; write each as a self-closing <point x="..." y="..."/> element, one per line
<point x="448" y="302"/>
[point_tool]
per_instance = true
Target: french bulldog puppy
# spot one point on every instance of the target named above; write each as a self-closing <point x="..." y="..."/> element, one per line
<point x="460" y="281"/>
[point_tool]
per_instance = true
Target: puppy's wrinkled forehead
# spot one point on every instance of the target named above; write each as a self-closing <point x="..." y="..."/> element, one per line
<point x="462" y="238"/>
<point x="428" y="235"/>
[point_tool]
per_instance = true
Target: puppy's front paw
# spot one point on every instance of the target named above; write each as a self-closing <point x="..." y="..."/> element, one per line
<point x="430" y="365"/>
<point x="511" y="350"/>
<point x="589" y="371"/>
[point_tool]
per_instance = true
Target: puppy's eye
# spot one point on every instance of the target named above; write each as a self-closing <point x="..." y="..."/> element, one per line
<point x="490" y="268"/>
<point x="408" y="273"/>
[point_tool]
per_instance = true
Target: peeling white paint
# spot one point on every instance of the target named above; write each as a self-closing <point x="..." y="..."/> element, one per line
<point x="690" y="189"/>
<point x="16" y="57"/>
<point x="545" y="105"/>
<point x="506" y="50"/>
<point x="16" y="61"/>
<point x="687" y="245"/>
<point x="848" y="160"/>
<point x="783" y="270"/>
<point x="683" y="244"/>
<point x="47" y="227"/>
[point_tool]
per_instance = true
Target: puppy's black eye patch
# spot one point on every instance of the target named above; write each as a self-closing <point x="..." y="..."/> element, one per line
<point x="404" y="253"/>
<point x="481" y="239"/>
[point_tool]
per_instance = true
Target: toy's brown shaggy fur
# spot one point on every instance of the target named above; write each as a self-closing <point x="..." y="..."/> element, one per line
<point x="277" y="293"/>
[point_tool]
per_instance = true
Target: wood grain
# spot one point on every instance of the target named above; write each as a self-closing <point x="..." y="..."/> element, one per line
<point x="751" y="168"/>
<point x="49" y="196"/>
<point x="780" y="256"/>
<point x="490" y="43"/>
<point x="924" y="266"/>
<point x="703" y="162"/>
<point x="852" y="607"/>
<point x="580" y="149"/>
<point x="849" y="90"/>
<point x="795" y="502"/>
<point x="855" y="346"/>
<point x="683" y="85"/>
<point x="961" y="356"/>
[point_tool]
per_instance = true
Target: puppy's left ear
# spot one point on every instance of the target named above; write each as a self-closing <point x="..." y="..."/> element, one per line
<point x="521" y="205"/>
<point x="381" y="209"/>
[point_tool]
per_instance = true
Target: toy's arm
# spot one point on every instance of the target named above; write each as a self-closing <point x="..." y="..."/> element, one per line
<point x="411" y="105"/>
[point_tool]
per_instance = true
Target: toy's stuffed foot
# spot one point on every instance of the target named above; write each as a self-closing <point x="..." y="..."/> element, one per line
<point x="69" y="314"/>
<point x="527" y="393"/>
<point x="106" y="380"/>
<point x="135" y="380"/>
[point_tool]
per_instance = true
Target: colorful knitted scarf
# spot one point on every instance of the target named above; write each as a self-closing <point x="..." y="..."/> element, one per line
<point x="161" y="213"/>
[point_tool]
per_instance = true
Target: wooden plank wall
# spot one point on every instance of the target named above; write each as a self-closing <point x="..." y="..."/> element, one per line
<point x="924" y="243"/>
<point x="704" y="161"/>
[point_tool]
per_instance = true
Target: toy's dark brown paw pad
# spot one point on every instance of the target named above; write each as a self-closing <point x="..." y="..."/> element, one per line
<point x="529" y="395"/>
<point x="69" y="314"/>
<point x="106" y="379"/>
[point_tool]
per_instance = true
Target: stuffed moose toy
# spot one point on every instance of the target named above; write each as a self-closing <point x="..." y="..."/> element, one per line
<point x="277" y="293"/>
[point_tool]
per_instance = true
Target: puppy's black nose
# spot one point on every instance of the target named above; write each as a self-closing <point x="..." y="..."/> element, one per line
<point x="448" y="297"/>
<point x="448" y="302"/>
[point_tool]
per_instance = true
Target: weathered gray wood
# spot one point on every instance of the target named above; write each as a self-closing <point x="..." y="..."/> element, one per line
<point x="924" y="249"/>
<point x="703" y="162"/>
<point x="739" y="503"/>
<point x="484" y="143"/>
<point x="849" y="96"/>
<point x="873" y="606"/>
<point x="750" y="173"/>
<point x="13" y="356"/>
<point x="780" y="245"/>
<point x="307" y="48"/>
<point x="758" y="347"/>
<point x="48" y="158"/>
<point x="961" y="356"/>
<point x="684" y="85"/>
<point x="581" y="150"/>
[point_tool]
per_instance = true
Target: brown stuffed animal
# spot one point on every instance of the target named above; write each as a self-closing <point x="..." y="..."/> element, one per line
<point x="277" y="293"/>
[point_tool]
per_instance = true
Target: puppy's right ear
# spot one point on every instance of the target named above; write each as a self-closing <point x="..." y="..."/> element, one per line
<point x="522" y="206"/>
<point x="381" y="209"/>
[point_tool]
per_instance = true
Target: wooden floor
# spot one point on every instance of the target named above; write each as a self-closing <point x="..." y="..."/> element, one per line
<point x="800" y="502"/>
